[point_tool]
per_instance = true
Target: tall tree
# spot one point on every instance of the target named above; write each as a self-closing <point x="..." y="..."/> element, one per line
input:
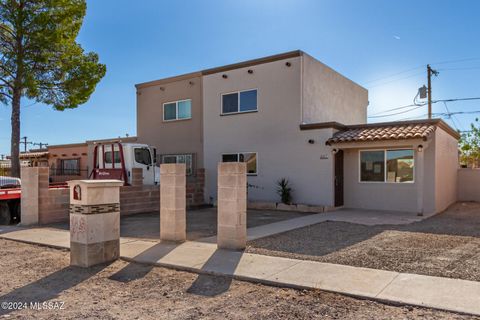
<point x="40" y="59"/>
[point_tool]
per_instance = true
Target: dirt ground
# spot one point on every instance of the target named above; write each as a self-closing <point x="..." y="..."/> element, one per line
<point x="200" y="223"/>
<point x="124" y="290"/>
<point x="446" y="245"/>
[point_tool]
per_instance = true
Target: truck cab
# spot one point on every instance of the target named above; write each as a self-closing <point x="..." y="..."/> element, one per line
<point x="116" y="161"/>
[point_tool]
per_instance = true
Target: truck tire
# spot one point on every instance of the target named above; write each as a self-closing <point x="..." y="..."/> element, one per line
<point x="5" y="217"/>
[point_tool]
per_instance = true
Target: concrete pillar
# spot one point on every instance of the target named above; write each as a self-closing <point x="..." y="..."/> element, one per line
<point x="137" y="177"/>
<point x="232" y="206"/>
<point x="94" y="221"/>
<point x="173" y="221"/>
<point x="34" y="182"/>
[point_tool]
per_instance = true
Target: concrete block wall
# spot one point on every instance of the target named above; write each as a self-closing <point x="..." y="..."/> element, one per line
<point x="468" y="184"/>
<point x="54" y="205"/>
<point x="195" y="188"/>
<point x="40" y="204"/>
<point x="139" y="199"/>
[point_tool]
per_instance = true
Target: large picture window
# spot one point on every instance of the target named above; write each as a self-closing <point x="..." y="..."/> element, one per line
<point x="177" y="110"/>
<point x="249" y="157"/>
<point x="180" y="158"/>
<point x="394" y="166"/>
<point x="238" y="102"/>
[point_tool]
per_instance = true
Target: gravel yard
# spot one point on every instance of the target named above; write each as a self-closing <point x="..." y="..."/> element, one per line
<point x="131" y="291"/>
<point x="446" y="245"/>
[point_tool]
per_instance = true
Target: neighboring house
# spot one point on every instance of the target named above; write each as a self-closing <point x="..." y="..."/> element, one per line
<point x="68" y="162"/>
<point x="282" y="115"/>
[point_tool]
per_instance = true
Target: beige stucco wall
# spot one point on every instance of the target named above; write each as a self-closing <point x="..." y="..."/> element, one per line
<point x="468" y="184"/>
<point x="172" y="137"/>
<point x="273" y="132"/>
<point x="446" y="170"/>
<point x="329" y="96"/>
<point x="439" y="178"/>
<point x="388" y="196"/>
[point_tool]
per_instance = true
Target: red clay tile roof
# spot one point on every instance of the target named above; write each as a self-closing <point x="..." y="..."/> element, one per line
<point x="392" y="131"/>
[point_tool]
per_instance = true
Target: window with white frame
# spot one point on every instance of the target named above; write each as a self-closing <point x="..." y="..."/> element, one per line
<point x="238" y="102"/>
<point x="250" y="158"/>
<point x="394" y="166"/>
<point x="180" y="158"/>
<point x="177" y="110"/>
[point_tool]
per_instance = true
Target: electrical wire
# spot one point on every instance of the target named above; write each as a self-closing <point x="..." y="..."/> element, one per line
<point x="397" y="113"/>
<point x="450" y="116"/>
<point x="395" y="80"/>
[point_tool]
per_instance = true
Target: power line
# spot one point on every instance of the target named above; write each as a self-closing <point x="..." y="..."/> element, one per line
<point x="456" y="99"/>
<point x="395" y="80"/>
<point x="380" y="114"/>
<point x="451" y="116"/>
<point x="397" y="113"/>
<point x="394" y="109"/>
<point x="466" y="68"/>
<point x="422" y="66"/>
<point x="395" y="74"/>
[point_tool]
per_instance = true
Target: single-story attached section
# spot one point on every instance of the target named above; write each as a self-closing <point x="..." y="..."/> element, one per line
<point x="403" y="166"/>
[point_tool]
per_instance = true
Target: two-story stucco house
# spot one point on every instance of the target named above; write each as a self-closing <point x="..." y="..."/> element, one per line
<point x="291" y="116"/>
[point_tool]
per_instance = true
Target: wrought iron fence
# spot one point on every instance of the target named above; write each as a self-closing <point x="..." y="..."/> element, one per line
<point x="58" y="175"/>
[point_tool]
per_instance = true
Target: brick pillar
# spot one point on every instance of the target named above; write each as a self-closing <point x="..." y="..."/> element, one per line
<point x="137" y="177"/>
<point x="94" y="221"/>
<point x="173" y="224"/>
<point x="232" y="206"/>
<point x="34" y="184"/>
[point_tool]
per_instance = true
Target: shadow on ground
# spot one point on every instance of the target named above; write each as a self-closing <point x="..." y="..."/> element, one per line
<point x="50" y="287"/>
<point x="210" y="284"/>
<point x="447" y="244"/>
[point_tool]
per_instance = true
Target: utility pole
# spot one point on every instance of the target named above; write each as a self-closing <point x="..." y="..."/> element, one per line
<point x="430" y="71"/>
<point x="24" y="144"/>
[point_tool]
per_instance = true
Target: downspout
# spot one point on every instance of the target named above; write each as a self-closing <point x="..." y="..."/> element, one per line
<point x="301" y="89"/>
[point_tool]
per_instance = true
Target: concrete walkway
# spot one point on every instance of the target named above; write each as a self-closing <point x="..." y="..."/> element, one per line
<point x="204" y="258"/>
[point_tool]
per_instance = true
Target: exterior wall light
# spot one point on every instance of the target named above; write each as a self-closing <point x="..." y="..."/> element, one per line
<point x="311" y="141"/>
<point x="224" y="76"/>
<point x="162" y="88"/>
<point x="250" y="71"/>
<point x="334" y="151"/>
<point x="420" y="148"/>
<point x="191" y="83"/>
<point x="288" y="64"/>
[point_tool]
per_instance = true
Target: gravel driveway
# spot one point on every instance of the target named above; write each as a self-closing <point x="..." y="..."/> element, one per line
<point x="446" y="245"/>
<point x="132" y="291"/>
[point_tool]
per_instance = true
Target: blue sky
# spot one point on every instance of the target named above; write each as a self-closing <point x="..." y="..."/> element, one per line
<point x="367" y="41"/>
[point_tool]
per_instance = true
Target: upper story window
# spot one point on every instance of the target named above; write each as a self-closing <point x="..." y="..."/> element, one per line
<point x="238" y="102"/>
<point x="177" y="110"/>
<point x="387" y="165"/>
